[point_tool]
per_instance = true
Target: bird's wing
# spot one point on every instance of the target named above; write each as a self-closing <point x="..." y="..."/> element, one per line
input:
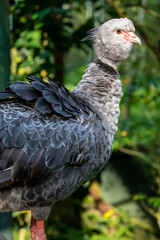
<point x="47" y="97"/>
<point x="32" y="147"/>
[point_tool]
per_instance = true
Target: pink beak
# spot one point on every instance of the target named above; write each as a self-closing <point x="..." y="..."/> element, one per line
<point x="132" y="37"/>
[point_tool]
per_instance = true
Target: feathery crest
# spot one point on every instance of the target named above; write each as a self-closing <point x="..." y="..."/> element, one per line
<point x="91" y="34"/>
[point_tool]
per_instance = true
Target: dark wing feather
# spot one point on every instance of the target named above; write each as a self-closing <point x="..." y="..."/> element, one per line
<point x="7" y="95"/>
<point x="25" y="91"/>
<point x="32" y="147"/>
<point x="51" y="96"/>
<point x="47" y="97"/>
<point x="5" y="175"/>
<point x="43" y="107"/>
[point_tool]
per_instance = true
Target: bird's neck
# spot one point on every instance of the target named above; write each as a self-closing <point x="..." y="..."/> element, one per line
<point x="101" y="87"/>
<point x="109" y="61"/>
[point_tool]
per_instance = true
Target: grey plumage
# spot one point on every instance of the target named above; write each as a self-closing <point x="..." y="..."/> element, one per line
<point x="53" y="140"/>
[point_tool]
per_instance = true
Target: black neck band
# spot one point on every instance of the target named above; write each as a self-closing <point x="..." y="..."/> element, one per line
<point x="106" y="68"/>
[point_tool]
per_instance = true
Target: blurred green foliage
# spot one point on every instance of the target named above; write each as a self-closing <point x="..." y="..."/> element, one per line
<point x="95" y="226"/>
<point x="45" y="41"/>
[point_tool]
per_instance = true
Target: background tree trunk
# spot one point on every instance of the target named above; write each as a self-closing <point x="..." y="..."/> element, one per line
<point x="4" y="43"/>
<point x="5" y="218"/>
<point x="59" y="67"/>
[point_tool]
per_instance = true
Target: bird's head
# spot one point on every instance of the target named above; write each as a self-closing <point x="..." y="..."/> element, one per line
<point x="113" y="40"/>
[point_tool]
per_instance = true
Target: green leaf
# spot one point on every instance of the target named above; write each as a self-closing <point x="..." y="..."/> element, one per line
<point x="154" y="201"/>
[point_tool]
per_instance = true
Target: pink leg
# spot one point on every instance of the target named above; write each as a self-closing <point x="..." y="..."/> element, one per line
<point x="37" y="229"/>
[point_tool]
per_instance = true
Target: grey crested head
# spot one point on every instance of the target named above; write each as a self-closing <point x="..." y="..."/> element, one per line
<point x="113" y="40"/>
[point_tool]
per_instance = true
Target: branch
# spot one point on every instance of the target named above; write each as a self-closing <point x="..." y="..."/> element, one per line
<point x="152" y="12"/>
<point x="139" y="155"/>
<point x="148" y="10"/>
<point x="148" y="209"/>
<point x="142" y="224"/>
<point x="148" y="41"/>
<point x="118" y="7"/>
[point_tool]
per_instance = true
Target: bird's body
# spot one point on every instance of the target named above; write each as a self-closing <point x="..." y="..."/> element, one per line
<point x="46" y="158"/>
<point x="53" y="140"/>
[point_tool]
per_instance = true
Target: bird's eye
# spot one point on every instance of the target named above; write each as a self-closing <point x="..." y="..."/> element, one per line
<point x="118" y="31"/>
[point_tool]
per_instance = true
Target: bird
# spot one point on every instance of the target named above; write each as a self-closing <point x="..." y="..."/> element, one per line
<point x="53" y="140"/>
